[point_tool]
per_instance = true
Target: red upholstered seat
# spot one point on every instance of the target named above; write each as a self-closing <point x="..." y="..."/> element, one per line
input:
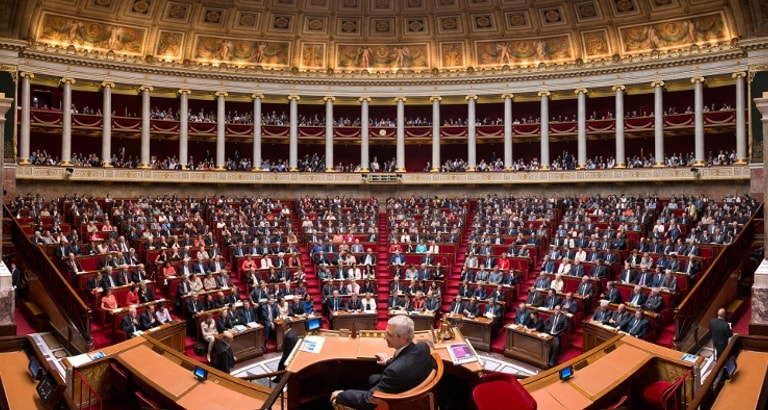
<point x="665" y="395"/>
<point x="498" y="390"/>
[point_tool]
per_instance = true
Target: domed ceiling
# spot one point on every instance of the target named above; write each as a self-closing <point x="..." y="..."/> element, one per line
<point x="381" y="35"/>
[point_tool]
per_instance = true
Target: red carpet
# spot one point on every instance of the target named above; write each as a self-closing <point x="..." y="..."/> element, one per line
<point x="22" y="326"/>
<point x="742" y="325"/>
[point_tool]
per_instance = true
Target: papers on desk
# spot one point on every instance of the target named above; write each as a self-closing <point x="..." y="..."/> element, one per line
<point x="252" y="325"/>
<point x="689" y="358"/>
<point x="240" y="328"/>
<point x="462" y="353"/>
<point x="312" y="344"/>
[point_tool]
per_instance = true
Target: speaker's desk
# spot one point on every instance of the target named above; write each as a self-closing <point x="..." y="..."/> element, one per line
<point x="346" y="363"/>
<point x="347" y="320"/>
<point x="421" y="320"/>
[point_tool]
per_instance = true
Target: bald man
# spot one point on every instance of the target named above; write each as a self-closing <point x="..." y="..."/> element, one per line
<point x="721" y="332"/>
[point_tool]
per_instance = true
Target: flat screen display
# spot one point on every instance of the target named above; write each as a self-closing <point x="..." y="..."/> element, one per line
<point x="200" y="373"/>
<point x="566" y="373"/>
<point x="35" y="369"/>
<point x="314" y="324"/>
<point x="730" y="367"/>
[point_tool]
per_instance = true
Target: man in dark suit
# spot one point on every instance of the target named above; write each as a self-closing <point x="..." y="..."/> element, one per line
<point x="148" y="319"/>
<point x="269" y="313"/>
<point x="637" y="326"/>
<point x="585" y="287"/>
<point x="627" y="275"/>
<point x="654" y="303"/>
<point x="620" y="317"/>
<point x="556" y="324"/>
<point x="551" y="300"/>
<point x="612" y="294"/>
<point x="194" y="309"/>
<point x="289" y="341"/>
<point x="721" y="331"/>
<point x="410" y="365"/>
<point x="457" y="306"/>
<point x="534" y="298"/>
<point x="521" y="314"/>
<point x="225" y="359"/>
<point x="247" y="313"/>
<point x="130" y="323"/>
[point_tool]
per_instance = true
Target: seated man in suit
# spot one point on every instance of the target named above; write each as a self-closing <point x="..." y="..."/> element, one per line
<point x="472" y="309"/>
<point x="534" y="298"/>
<point x="521" y="314"/>
<point x="493" y="312"/>
<point x="620" y="317"/>
<point x="555" y="324"/>
<point x="611" y="293"/>
<point x="670" y="281"/>
<point x="410" y="365"/>
<point x="551" y="300"/>
<point x="569" y="304"/>
<point x="654" y="303"/>
<point x="148" y="319"/>
<point x="603" y="313"/>
<point x="585" y="288"/>
<point x="542" y="282"/>
<point x="130" y="323"/>
<point x="457" y="306"/>
<point x="637" y="298"/>
<point x="637" y="326"/>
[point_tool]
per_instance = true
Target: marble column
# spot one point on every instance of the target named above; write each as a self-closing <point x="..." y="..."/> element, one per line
<point x="184" y="127"/>
<point x="508" y="130"/>
<point x="435" y="133"/>
<point x="26" y="117"/>
<point x="544" y="161"/>
<point x="471" y="133"/>
<point x="106" y="126"/>
<point x="741" y="119"/>
<point x="364" y="134"/>
<point x="620" y="147"/>
<point x="698" y="121"/>
<point x="66" y="122"/>
<point x="221" y="129"/>
<point x="329" y="133"/>
<point x="293" y="137"/>
<point x="145" y="122"/>
<point x="5" y="105"/>
<point x="759" y="301"/>
<point x="581" y="156"/>
<point x="658" y="124"/>
<point x="256" y="155"/>
<point x="400" y="159"/>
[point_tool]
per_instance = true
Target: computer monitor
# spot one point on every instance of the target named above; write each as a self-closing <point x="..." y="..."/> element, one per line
<point x="730" y="367"/>
<point x="566" y="373"/>
<point x="35" y="369"/>
<point x="314" y="324"/>
<point x="200" y="373"/>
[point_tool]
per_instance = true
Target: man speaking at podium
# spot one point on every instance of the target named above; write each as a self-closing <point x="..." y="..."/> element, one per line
<point x="409" y="366"/>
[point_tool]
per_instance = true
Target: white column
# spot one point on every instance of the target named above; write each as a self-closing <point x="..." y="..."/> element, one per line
<point x="5" y="105"/>
<point x="24" y="127"/>
<point x="256" y="164"/>
<point x="698" y="120"/>
<point x="400" y="166"/>
<point x="145" y="121"/>
<point x="741" y="119"/>
<point x="620" y="150"/>
<point x="471" y="133"/>
<point x="582" y="128"/>
<point x="364" y="156"/>
<point x="66" y="122"/>
<point x="184" y="127"/>
<point x="658" y="124"/>
<point x="221" y="129"/>
<point x="435" y="133"/>
<point x="544" y="95"/>
<point x="293" y="142"/>
<point x="508" y="130"/>
<point x="329" y="133"/>
<point x="106" y="126"/>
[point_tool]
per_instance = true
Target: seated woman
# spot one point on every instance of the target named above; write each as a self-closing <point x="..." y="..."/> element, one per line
<point x="163" y="314"/>
<point x="132" y="297"/>
<point x="209" y="282"/>
<point x="195" y="283"/>
<point x="309" y="304"/>
<point x="283" y="307"/>
<point x="108" y="301"/>
<point x="168" y="270"/>
<point x="558" y="283"/>
<point x="534" y="322"/>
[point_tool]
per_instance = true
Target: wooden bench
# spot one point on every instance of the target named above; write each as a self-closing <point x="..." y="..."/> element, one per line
<point x="34" y="315"/>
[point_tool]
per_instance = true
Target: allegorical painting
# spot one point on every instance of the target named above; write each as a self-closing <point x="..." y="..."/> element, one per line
<point x="245" y="52"/>
<point x="382" y="56"/>
<point x="313" y="55"/>
<point x="497" y="53"/>
<point x="677" y="33"/>
<point x="452" y="55"/>
<point x="80" y="32"/>
<point x="595" y="43"/>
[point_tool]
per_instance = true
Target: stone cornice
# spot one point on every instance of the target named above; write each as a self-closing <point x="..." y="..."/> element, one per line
<point x="621" y="66"/>
<point x="618" y="176"/>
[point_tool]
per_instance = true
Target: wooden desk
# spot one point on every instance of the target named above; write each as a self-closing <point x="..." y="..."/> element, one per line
<point x="345" y="363"/>
<point x="421" y="320"/>
<point x="594" y="334"/>
<point x="528" y="345"/>
<point x="169" y="378"/>
<point x="211" y="395"/>
<point x="247" y="344"/>
<point x="743" y="390"/>
<point x="17" y="383"/>
<point x="596" y="379"/>
<point x="476" y="330"/>
<point x="560" y="396"/>
<point x="346" y="320"/>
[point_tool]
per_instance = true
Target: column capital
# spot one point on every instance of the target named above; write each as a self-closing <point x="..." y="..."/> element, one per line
<point x="27" y="74"/>
<point x="67" y="80"/>
<point x="618" y="87"/>
<point x="698" y="79"/>
<point x="581" y="91"/>
<point x="329" y="98"/>
<point x="435" y="98"/>
<point x="255" y="96"/>
<point x="507" y="95"/>
<point x="221" y="94"/>
<point x="657" y="83"/>
<point x="107" y="84"/>
<point x="400" y="99"/>
<point x="471" y="97"/>
<point x="364" y="99"/>
<point x="544" y="94"/>
<point x="740" y="74"/>
<point x="294" y="98"/>
<point x="146" y="88"/>
<point x="184" y="91"/>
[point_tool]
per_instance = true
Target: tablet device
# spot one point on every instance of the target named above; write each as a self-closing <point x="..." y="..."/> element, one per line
<point x="566" y="373"/>
<point x="200" y="373"/>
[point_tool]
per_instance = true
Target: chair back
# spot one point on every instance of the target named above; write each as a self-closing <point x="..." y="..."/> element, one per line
<point x="145" y="402"/>
<point x="423" y="396"/>
<point x="500" y="389"/>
